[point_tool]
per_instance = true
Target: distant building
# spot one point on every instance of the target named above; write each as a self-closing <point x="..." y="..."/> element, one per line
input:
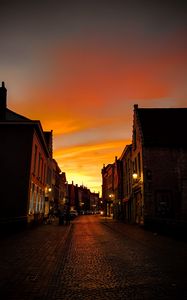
<point x="108" y="188"/>
<point x="159" y="162"/>
<point x="24" y="158"/>
<point x="117" y="185"/>
<point x="62" y="191"/>
<point x="56" y="178"/>
<point x="94" y="202"/>
<point x="71" y="193"/>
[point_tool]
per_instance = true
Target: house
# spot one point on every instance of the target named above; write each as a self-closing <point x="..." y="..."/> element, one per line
<point x="84" y="194"/>
<point x="24" y="156"/>
<point x="126" y="174"/>
<point x="49" y="199"/>
<point x="71" y="193"/>
<point x="108" y="188"/>
<point x="159" y="162"/>
<point x="84" y="199"/>
<point x="56" y="178"/>
<point x="94" y="202"/>
<point x="62" y="191"/>
<point x="117" y="186"/>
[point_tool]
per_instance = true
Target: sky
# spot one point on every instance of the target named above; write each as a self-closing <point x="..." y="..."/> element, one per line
<point x="80" y="66"/>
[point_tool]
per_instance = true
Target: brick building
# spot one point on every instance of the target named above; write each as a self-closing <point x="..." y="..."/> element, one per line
<point x="150" y="177"/>
<point x="108" y="188"/>
<point x="159" y="160"/>
<point x="118" y="189"/>
<point x="24" y="156"/>
<point x="94" y="202"/>
<point x="126" y="174"/>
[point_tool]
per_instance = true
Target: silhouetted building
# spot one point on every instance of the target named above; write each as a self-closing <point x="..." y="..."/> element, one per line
<point x="150" y="177"/>
<point x="77" y="202"/>
<point x="94" y="202"/>
<point x="49" y="200"/>
<point x="62" y="191"/>
<point x="159" y="159"/>
<point x="108" y="188"/>
<point x="126" y="173"/>
<point x="55" y="185"/>
<point x="71" y="192"/>
<point x="118" y="186"/>
<point x="24" y="156"/>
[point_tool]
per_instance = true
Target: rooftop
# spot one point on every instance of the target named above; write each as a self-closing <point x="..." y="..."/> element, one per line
<point x="163" y="126"/>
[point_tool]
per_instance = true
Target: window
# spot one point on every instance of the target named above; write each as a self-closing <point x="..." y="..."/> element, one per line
<point x="39" y="160"/>
<point x="37" y="201"/>
<point x="31" y="204"/>
<point x="35" y="157"/>
<point x="139" y="165"/>
<point x="44" y="173"/>
<point x="42" y="163"/>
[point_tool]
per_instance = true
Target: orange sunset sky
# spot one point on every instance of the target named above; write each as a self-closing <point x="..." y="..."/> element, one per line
<point x="80" y="66"/>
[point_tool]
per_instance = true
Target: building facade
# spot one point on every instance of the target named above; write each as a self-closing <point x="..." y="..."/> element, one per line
<point x="108" y="189"/>
<point x="26" y="170"/>
<point x="150" y="176"/>
<point x="118" y="192"/>
<point x="127" y="199"/>
<point x="159" y="155"/>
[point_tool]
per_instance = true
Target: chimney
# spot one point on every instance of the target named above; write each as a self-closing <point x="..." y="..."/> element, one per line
<point x="3" y="104"/>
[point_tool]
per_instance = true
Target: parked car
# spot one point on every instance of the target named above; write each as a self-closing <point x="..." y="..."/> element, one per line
<point x="88" y="212"/>
<point x="73" y="214"/>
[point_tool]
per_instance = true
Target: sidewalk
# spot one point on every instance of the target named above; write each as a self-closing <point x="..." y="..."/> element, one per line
<point x="28" y="258"/>
<point x="32" y="262"/>
<point x="144" y="236"/>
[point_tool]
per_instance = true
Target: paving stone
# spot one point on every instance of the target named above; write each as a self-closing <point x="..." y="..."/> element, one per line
<point x="93" y="258"/>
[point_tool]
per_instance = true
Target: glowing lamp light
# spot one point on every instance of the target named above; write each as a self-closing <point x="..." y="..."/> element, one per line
<point x="135" y="176"/>
<point x="49" y="189"/>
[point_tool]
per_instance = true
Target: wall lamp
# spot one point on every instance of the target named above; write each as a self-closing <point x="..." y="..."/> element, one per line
<point x="134" y="176"/>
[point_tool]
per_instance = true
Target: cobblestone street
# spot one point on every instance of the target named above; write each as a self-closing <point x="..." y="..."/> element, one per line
<point x="93" y="258"/>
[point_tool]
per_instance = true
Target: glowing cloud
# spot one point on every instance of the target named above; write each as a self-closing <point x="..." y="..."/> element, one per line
<point x="79" y="68"/>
